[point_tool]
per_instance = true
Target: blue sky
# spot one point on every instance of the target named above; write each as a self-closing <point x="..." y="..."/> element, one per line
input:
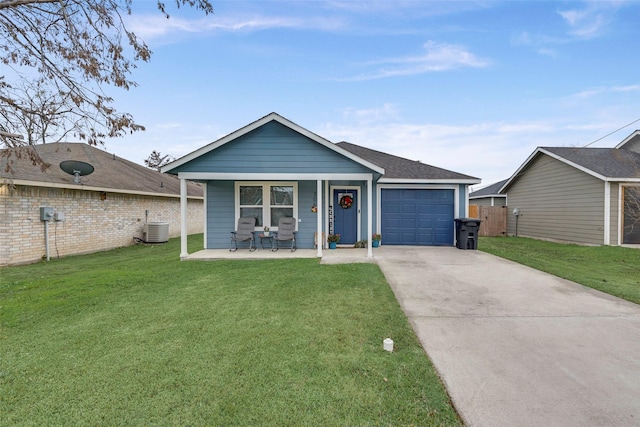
<point x="472" y="87"/>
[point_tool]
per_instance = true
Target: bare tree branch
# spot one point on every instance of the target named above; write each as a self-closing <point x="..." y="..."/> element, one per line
<point x="72" y="50"/>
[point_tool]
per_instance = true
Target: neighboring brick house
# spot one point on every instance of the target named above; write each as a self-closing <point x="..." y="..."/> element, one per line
<point x="105" y="210"/>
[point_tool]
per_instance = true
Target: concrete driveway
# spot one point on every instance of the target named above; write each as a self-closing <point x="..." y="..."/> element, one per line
<point x="518" y="347"/>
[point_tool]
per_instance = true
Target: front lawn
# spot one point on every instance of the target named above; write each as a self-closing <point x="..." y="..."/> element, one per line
<point x="611" y="269"/>
<point x="135" y="337"/>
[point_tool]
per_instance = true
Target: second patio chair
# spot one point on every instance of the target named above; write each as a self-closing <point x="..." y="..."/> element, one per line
<point x="286" y="233"/>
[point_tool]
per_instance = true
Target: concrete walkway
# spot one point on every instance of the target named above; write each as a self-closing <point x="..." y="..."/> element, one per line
<point x="518" y="347"/>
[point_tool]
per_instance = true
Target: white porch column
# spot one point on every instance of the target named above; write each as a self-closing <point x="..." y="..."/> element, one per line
<point x="183" y="219"/>
<point x="607" y="213"/>
<point x="319" y="239"/>
<point x="369" y="216"/>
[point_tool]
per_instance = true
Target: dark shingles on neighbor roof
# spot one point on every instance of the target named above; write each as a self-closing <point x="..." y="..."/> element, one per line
<point x="400" y="168"/>
<point x="110" y="172"/>
<point x="490" y="190"/>
<point x="608" y="162"/>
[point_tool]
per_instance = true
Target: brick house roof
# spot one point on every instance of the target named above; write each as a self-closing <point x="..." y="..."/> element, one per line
<point x="111" y="173"/>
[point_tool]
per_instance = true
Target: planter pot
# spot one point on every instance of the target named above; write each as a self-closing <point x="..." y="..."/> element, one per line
<point x="375" y="243"/>
<point x="266" y="234"/>
<point x="332" y="245"/>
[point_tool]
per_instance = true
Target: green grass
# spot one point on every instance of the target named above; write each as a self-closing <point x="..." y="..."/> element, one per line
<point x="136" y="337"/>
<point x="611" y="269"/>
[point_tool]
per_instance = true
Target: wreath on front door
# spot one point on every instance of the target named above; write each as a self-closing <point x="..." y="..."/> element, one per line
<point x="346" y="201"/>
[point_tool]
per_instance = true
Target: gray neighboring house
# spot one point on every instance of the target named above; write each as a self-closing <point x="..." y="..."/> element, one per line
<point x="580" y="195"/>
<point x="489" y="195"/>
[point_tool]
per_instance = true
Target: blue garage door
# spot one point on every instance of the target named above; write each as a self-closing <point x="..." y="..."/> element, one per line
<point x="417" y="217"/>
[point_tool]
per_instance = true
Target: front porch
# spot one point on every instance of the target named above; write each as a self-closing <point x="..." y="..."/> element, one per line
<point x="329" y="256"/>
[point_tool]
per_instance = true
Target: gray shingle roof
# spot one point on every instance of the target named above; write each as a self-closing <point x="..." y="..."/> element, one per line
<point x="490" y="190"/>
<point x="110" y="171"/>
<point x="608" y="162"/>
<point x="400" y="168"/>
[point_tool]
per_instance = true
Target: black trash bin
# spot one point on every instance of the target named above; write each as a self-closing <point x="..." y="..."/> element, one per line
<point x="467" y="233"/>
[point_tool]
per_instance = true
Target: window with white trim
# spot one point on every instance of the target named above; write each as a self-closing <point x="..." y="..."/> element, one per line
<point x="266" y="201"/>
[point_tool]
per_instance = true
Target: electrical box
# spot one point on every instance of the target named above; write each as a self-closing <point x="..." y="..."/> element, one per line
<point x="58" y="216"/>
<point x="46" y="213"/>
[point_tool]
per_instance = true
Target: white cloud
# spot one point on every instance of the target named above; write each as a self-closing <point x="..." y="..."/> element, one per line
<point x="152" y="26"/>
<point x="438" y="57"/>
<point x="603" y="90"/>
<point x="588" y="23"/>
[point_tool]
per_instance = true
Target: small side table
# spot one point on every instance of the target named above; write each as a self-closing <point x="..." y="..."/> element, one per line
<point x="268" y="238"/>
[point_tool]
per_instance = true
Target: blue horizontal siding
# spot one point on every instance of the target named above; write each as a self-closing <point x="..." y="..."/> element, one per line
<point x="220" y="214"/>
<point x="273" y="148"/>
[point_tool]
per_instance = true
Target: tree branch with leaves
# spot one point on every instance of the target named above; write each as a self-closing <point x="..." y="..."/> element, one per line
<point x="58" y="57"/>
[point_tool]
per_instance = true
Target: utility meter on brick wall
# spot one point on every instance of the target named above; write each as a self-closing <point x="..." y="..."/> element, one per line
<point x="46" y="213"/>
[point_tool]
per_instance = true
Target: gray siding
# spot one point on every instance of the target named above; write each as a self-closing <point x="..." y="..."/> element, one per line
<point x="557" y="202"/>
<point x="272" y="148"/>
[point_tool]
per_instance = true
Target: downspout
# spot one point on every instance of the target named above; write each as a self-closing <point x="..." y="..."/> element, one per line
<point x="183" y="219"/>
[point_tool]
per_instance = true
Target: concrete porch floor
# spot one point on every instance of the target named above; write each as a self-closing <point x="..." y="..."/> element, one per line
<point x="329" y="256"/>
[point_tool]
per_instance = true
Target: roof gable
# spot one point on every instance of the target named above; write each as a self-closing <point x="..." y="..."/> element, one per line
<point x="110" y="172"/>
<point x="607" y="164"/>
<point x="202" y="155"/>
<point x="632" y="142"/>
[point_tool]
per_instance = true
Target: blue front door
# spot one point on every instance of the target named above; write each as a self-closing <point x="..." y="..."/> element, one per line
<point x="345" y="215"/>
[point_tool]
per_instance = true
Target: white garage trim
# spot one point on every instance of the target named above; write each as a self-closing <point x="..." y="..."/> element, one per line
<point x="380" y="187"/>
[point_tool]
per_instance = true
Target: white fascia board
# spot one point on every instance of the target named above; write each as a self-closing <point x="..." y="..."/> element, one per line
<point x="487" y="195"/>
<point x="426" y="182"/>
<point x="623" y="180"/>
<point x="90" y="188"/>
<point x="627" y="139"/>
<point x="232" y="176"/>
<point x="266" y="119"/>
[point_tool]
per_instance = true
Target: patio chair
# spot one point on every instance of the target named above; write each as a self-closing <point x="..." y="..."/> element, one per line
<point x="286" y="233"/>
<point x="244" y="233"/>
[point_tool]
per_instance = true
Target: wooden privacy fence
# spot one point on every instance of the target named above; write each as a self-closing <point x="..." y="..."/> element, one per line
<point x="494" y="219"/>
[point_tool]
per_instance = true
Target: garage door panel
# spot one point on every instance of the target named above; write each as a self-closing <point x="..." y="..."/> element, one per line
<point x="409" y="209"/>
<point x="417" y="217"/>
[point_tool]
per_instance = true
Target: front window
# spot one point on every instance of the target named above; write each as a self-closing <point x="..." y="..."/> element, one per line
<point x="251" y="202"/>
<point x="267" y="202"/>
<point x="281" y="203"/>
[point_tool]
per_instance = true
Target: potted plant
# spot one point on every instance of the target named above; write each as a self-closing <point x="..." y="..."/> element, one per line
<point x="266" y="231"/>
<point x="375" y="239"/>
<point x="333" y="240"/>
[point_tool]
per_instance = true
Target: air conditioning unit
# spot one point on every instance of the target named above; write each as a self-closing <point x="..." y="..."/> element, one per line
<point x="156" y="232"/>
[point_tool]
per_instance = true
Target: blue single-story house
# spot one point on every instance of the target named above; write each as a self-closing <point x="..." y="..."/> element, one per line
<point x="273" y="168"/>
